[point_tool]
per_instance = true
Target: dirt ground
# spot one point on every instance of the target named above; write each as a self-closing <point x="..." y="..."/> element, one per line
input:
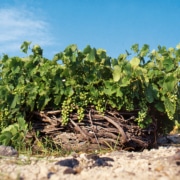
<point x="162" y="163"/>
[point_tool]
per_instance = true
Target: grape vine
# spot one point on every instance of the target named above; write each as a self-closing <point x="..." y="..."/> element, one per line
<point x="149" y="81"/>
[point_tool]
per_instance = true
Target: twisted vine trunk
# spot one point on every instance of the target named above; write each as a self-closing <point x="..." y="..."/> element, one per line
<point x="113" y="129"/>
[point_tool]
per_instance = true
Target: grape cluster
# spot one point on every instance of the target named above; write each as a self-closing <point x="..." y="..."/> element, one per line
<point x="129" y="106"/>
<point x="172" y="97"/>
<point x="83" y="98"/>
<point x="82" y="103"/>
<point x="66" y="109"/>
<point x="100" y="105"/>
<point x="142" y="114"/>
<point x="80" y="113"/>
<point x="170" y="111"/>
<point x="3" y="114"/>
<point x="78" y="102"/>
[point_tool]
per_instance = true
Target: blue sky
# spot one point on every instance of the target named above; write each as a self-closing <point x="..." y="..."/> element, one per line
<point x="114" y="25"/>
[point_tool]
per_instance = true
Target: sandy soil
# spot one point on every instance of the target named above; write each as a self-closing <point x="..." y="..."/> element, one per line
<point x="162" y="163"/>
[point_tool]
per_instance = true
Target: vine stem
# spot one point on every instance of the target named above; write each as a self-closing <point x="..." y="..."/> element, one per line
<point x="79" y="129"/>
<point x="123" y="135"/>
<point x="90" y="118"/>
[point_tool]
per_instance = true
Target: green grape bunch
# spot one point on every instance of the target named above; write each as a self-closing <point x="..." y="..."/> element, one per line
<point x="142" y="114"/>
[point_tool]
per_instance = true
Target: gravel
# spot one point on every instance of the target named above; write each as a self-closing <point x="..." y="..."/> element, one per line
<point x="162" y="164"/>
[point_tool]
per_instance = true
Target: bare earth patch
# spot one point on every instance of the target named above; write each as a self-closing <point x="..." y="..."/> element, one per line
<point x="162" y="163"/>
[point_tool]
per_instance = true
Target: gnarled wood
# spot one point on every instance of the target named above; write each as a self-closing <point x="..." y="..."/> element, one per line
<point x="113" y="128"/>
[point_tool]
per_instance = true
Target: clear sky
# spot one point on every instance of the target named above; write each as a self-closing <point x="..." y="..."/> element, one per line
<point x="114" y="25"/>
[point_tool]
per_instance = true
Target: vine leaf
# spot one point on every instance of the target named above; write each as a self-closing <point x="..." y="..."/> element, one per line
<point x="117" y="73"/>
<point x="178" y="46"/>
<point x="135" y="48"/>
<point x="25" y="46"/>
<point x="168" y="64"/>
<point x="5" y="137"/>
<point x="144" y="50"/>
<point x="135" y="62"/>
<point x="169" y="83"/>
<point x="150" y="94"/>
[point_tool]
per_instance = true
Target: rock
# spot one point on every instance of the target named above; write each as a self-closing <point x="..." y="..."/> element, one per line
<point x="175" y="138"/>
<point x="69" y="171"/>
<point x="8" y="151"/>
<point x="71" y="163"/>
<point x="169" y="139"/>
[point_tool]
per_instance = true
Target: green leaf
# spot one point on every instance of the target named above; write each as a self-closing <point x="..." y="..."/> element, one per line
<point x="135" y="62"/>
<point x="17" y="137"/>
<point x="57" y="99"/>
<point x="73" y="47"/>
<point x="91" y="55"/>
<point x="127" y="69"/>
<point x="13" y="128"/>
<point x="150" y="93"/>
<point x="159" y="106"/>
<point x="69" y="91"/>
<point x="119" y="93"/>
<point x="125" y="81"/>
<point x="178" y="53"/>
<point x="144" y="50"/>
<point x="109" y="88"/>
<point x="170" y="107"/>
<point x="42" y="102"/>
<point x="5" y="138"/>
<point x="94" y="92"/>
<point x="135" y="48"/>
<point x="169" y="84"/>
<point x="121" y="58"/>
<point x="37" y="50"/>
<point x="109" y="91"/>
<point x="87" y="49"/>
<point x="114" y="62"/>
<point x="117" y="73"/>
<point x="150" y="65"/>
<point x="168" y="64"/>
<point x="16" y="100"/>
<point x="25" y="46"/>
<point x="178" y="46"/>
<point x="101" y="53"/>
<point x="58" y="56"/>
<point x="22" y="123"/>
<point x="70" y="50"/>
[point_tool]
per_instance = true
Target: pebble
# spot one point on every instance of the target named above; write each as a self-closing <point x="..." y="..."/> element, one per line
<point x="8" y="151"/>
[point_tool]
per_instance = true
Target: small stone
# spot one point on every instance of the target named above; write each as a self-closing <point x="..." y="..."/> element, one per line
<point x="83" y="156"/>
<point x="23" y="157"/>
<point x="69" y="171"/>
<point x="177" y="155"/>
<point x="71" y="163"/>
<point x="50" y="174"/>
<point x="92" y="156"/>
<point x="8" y="151"/>
<point x="102" y="161"/>
<point x="175" y="138"/>
<point x="130" y="156"/>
